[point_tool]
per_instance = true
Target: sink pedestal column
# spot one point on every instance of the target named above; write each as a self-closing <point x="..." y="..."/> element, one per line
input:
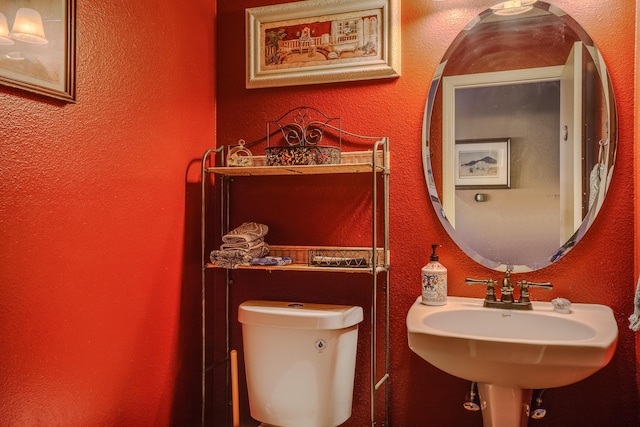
<point x="504" y="406"/>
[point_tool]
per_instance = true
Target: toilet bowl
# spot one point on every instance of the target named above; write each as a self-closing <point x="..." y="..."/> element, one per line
<point x="299" y="361"/>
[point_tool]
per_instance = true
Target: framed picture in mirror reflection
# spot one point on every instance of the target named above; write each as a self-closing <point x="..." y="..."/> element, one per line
<point x="483" y="163"/>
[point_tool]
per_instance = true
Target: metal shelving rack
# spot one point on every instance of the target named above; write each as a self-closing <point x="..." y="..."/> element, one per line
<point x="374" y="162"/>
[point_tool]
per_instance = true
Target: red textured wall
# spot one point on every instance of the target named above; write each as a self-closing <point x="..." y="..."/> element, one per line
<point x="599" y="270"/>
<point x="99" y="269"/>
<point x="637" y="183"/>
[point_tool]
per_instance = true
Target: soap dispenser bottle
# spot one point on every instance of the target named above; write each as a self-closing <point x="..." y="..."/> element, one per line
<point x="434" y="281"/>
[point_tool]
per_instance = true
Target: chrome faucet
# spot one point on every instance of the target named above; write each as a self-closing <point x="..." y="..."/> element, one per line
<point x="506" y="292"/>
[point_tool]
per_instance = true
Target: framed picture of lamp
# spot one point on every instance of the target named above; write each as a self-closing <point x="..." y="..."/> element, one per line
<point x="37" y="46"/>
<point x="319" y="41"/>
<point x="482" y="163"/>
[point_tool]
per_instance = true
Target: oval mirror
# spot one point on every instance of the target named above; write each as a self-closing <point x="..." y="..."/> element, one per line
<point x="519" y="136"/>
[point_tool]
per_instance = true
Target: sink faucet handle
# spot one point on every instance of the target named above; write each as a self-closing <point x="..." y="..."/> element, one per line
<point x="490" y="284"/>
<point x="546" y="285"/>
<point x="524" y="288"/>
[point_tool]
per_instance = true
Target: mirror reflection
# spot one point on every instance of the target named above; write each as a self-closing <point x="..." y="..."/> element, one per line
<point x="519" y="136"/>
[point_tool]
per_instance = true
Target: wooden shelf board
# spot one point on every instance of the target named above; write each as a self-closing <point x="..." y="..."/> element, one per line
<point x="351" y="162"/>
<point x="299" y="254"/>
<point x="302" y="267"/>
<point x="291" y="170"/>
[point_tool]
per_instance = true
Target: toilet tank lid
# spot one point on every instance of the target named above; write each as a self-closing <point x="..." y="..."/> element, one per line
<point x="297" y="315"/>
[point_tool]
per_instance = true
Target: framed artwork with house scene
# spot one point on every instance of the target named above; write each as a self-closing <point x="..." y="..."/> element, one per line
<point x="318" y="41"/>
<point x="482" y="163"/>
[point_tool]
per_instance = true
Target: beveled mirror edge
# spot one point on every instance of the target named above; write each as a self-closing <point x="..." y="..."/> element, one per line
<point x="612" y="129"/>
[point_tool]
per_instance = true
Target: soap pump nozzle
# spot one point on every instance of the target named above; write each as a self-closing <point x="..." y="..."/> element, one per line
<point x="434" y="255"/>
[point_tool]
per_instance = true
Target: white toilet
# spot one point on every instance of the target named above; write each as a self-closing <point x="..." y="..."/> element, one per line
<point x="300" y="361"/>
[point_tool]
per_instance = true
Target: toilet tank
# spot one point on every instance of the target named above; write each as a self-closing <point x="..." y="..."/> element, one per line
<point x="299" y="361"/>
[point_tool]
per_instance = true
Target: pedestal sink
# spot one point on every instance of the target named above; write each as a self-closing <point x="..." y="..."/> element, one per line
<point x="510" y="352"/>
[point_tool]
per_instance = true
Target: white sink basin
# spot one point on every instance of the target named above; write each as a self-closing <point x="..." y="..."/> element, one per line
<point x="534" y="349"/>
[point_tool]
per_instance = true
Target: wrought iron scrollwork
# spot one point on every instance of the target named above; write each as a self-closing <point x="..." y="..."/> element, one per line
<point x="304" y="126"/>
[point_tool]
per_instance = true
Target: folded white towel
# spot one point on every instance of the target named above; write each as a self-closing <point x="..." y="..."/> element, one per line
<point x="634" y="319"/>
